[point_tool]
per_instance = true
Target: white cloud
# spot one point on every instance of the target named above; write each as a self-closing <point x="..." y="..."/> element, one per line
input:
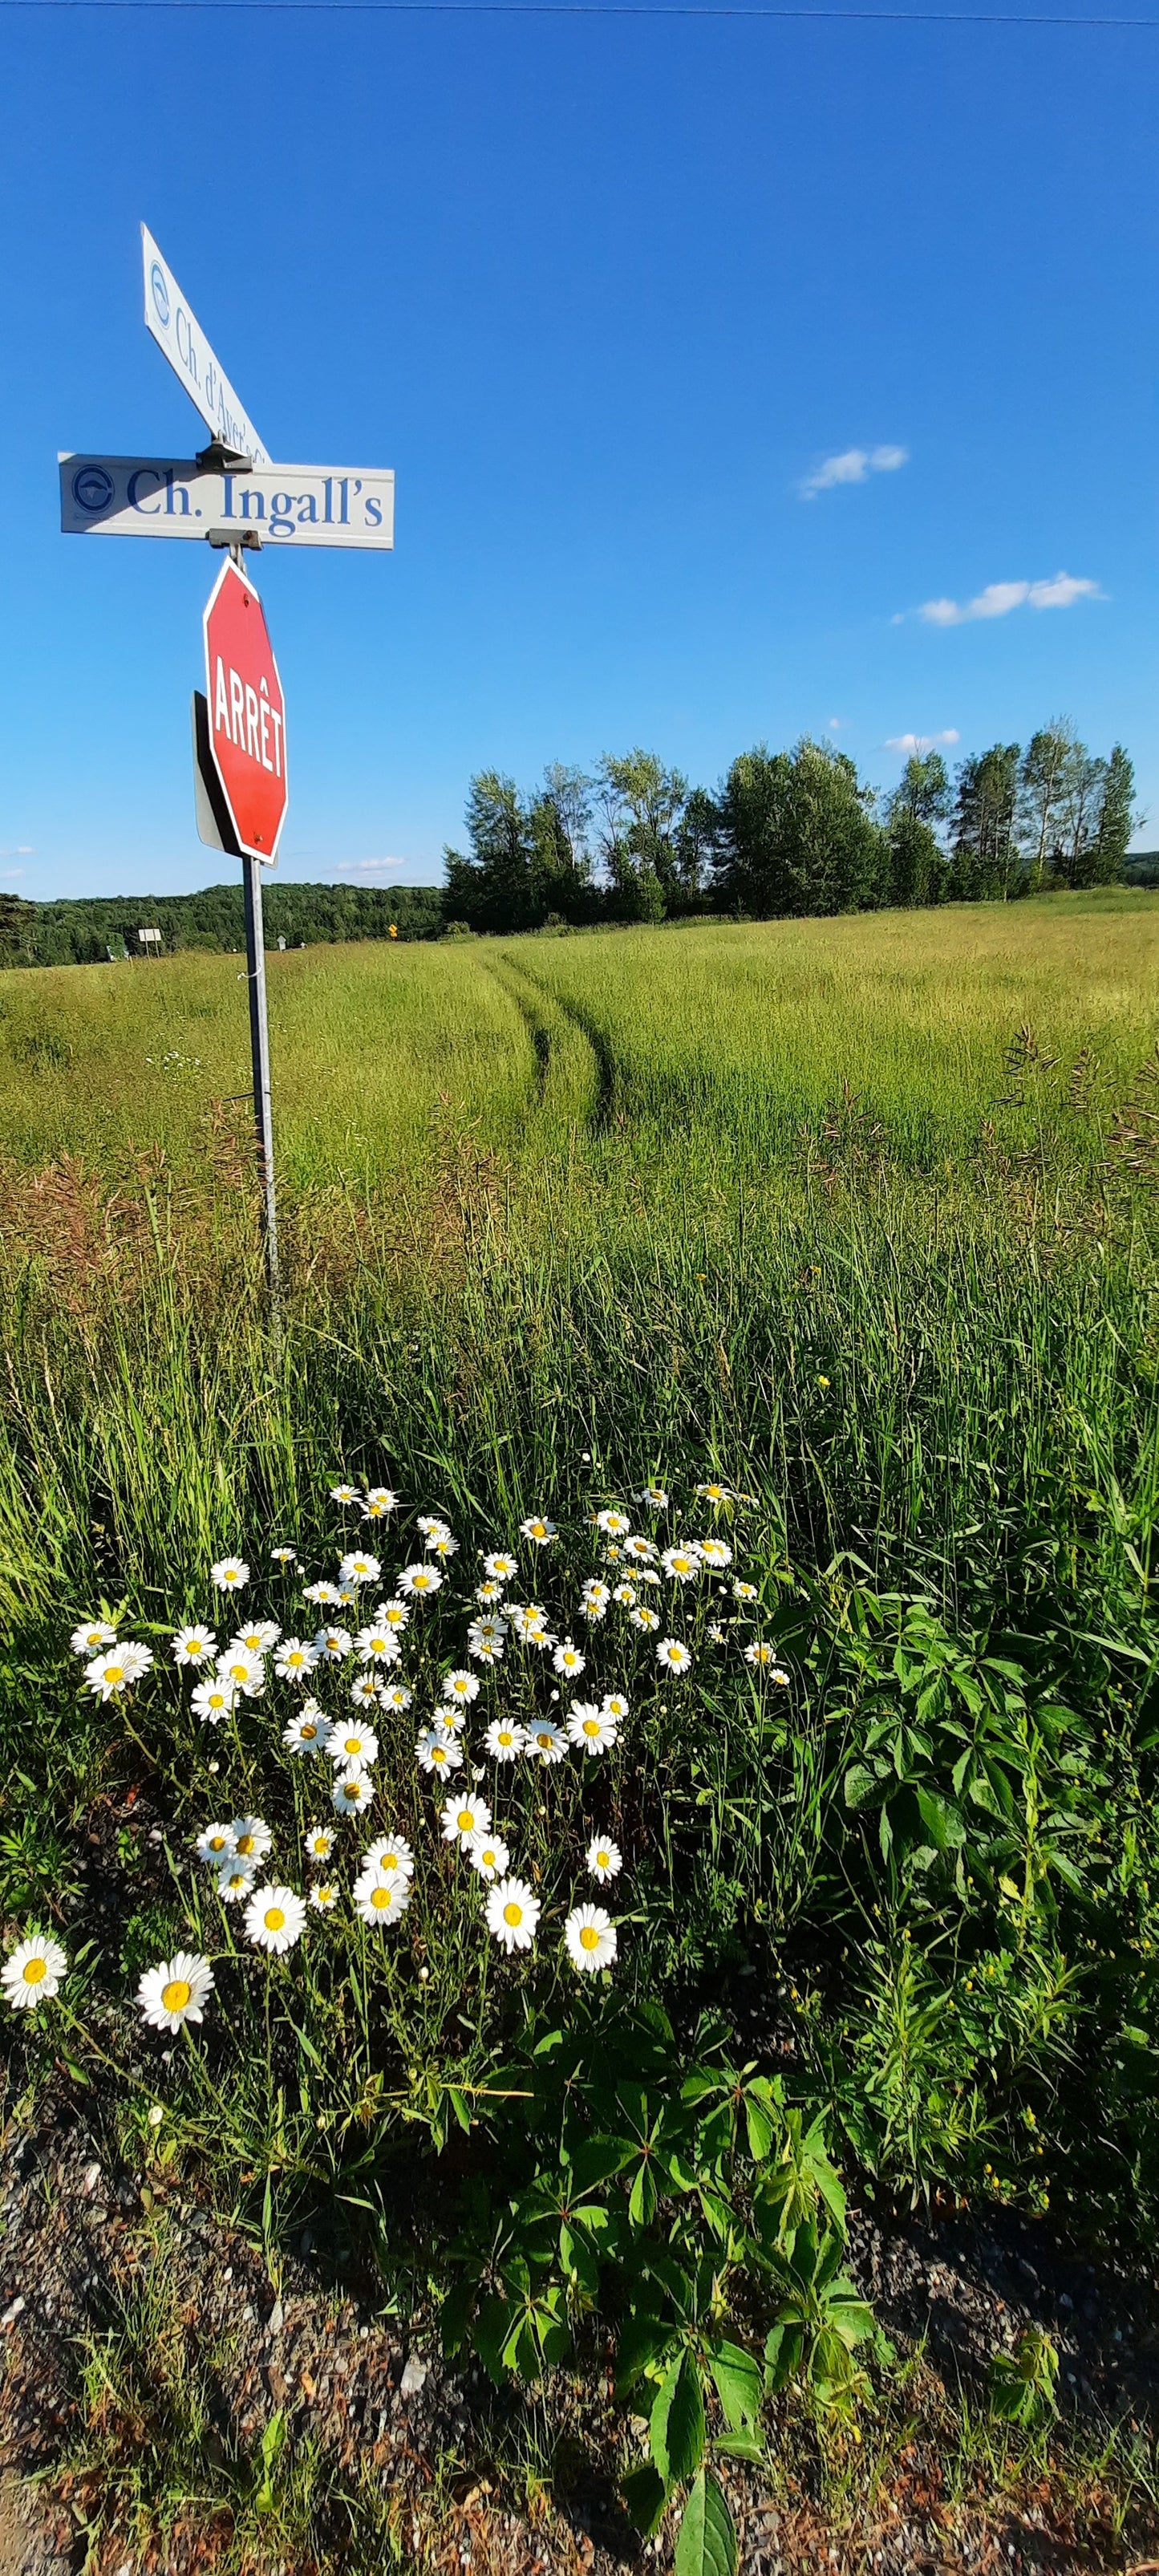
<point x="21" y="850"/>
<point x="999" y="597"/>
<point x="366" y="867"/>
<point x="910" y="742"/>
<point x="854" y="465"/>
<point x="7" y="875"/>
<point x="837" y="724"/>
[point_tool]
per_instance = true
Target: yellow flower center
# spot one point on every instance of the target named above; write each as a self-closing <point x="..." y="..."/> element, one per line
<point x="589" y="1937"/>
<point x="488" y="1859"/>
<point x="35" y="1971"/>
<point x="351" y="1789"/>
<point x="513" y="1914"/>
<point x="389" y="1861"/>
<point x="591" y="1726"/>
<point x="466" y="1820"/>
<point x="274" y="1919"/>
<point x="309" y="1733"/>
<point x="438" y="1753"/>
<point x="352" y="1743"/>
<point x="114" y="1672"/>
<point x="176" y="1994"/>
<point x="601" y="1860"/>
<point x="380" y="1897"/>
<point x="245" y="1844"/>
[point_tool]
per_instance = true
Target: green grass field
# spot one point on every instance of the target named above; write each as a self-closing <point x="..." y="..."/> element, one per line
<point x="856" y="1217"/>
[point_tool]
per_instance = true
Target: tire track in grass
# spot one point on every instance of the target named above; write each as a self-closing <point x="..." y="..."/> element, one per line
<point x="537" y="1002"/>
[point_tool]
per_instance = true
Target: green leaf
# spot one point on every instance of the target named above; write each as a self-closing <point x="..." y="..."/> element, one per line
<point x="677" y="2426"/>
<point x="743" y="2446"/>
<point x="738" y="2384"/>
<point x="860" y="1785"/>
<point x="645" y="2495"/>
<point x="706" y="2541"/>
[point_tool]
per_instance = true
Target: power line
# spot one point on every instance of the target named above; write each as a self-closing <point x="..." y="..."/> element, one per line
<point x="591" y="9"/>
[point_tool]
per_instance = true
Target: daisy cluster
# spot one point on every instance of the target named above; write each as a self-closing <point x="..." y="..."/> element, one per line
<point x="364" y="1653"/>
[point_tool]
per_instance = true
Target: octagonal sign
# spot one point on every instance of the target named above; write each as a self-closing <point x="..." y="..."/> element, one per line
<point x="247" y="713"/>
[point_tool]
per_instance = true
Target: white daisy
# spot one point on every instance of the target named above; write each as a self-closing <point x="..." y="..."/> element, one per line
<point x="323" y="1894"/>
<point x="545" y="1742"/>
<point x="439" y="1753"/>
<point x="251" y="1838"/>
<point x="318" y="1842"/>
<point x="382" y="1901"/>
<point x="615" y="1704"/>
<point x="672" y="1656"/>
<point x="500" y="1569"/>
<point x="647" y="1574"/>
<point x="116" y="1670"/>
<point x="655" y="1498"/>
<point x="568" y="1659"/>
<point x="259" y="1638"/>
<point x="176" y="1990"/>
<point x="715" y="1554"/>
<point x="395" y="1696"/>
<point x="604" y="1859"/>
<point x="377" y="1644"/>
<point x="214" y="1700"/>
<point x="230" y="1574"/>
<point x="713" y="1494"/>
<point x="241" y="1673"/>
<point x="641" y="1550"/>
<point x="343" y="1494"/>
<point x="194" y="1645"/>
<point x="283" y="1556"/>
<point x="324" y="1595"/>
<point x="537" y="1634"/>
<point x="625" y="1596"/>
<point x="432" y="1526"/>
<point x="464" y="1816"/>
<point x="235" y="1880"/>
<point x="760" y="1654"/>
<point x="351" y="1742"/>
<point x="309" y="1731"/>
<point x="504" y="1740"/>
<point x="444" y="1547"/>
<point x="419" y="1581"/>
<point x="393" y="1615"/>
<point x="364" y="1691"/>
<point x="594" y="1599"/>
<point x="614" y="1524"/>
<point x="488" y="1853"/>
<point x="644" y="1618"/>
<point x="537" y="1530"/>
<point x="715" y="1633"/>
<point x="460" y="1687"/>
<point x="378" y="1502"/>
<point x="274" y="1918"/>
<point x="216" y="1844"/>
<point x="590" y="1728"/>
<point x="32" y="1973"/>
<point x="681" y="1563"/>
<point x="353" y="1789"/>
<point x="295" y="1659"/>
<point x="333" y="1645"/>
<point x="590" y="1937"/>
<point x="779" y="1678"/>
<point x="91" y="1635"/>
<point x="745" y="1592"/>
<point x="489" y="1594"/>
<point x="389" y="1857"/>
<point x="512" y="1913"/>
<point x="449" y="1721"/>
<point x="485" y="1650"/>
<point x="359" y="1568"/>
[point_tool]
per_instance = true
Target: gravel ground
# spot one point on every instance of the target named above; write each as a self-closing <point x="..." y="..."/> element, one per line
<point x="383" y="2406"/>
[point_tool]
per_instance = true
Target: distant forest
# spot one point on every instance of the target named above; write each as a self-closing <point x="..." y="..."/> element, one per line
<point x="786" y="833"/>
<point x="91" y="929"/>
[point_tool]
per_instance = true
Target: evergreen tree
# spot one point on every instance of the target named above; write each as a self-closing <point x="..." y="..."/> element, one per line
<point x="1116" y="819"/>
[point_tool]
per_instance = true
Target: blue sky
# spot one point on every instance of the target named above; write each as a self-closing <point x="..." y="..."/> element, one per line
<point x="609" y="294"/>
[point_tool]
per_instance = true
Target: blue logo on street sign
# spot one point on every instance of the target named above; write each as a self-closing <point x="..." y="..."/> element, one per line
<point x="160" y="295"/>
<point x="92" y="488"/>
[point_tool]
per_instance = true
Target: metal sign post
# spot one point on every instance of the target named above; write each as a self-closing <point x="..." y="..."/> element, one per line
<point x="231" y="494"/>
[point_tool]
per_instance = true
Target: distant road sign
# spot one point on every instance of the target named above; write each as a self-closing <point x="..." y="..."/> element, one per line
<point x="247" y="713"/>
<point x="282" y="505"/>
<point x="179" y="335"/>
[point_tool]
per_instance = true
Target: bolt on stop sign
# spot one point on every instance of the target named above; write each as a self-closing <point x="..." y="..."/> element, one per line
<point x="247" y="713"/>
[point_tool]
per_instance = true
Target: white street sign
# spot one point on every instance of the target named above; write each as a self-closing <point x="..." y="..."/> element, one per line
<point x="280" y="505"/>
<point x="178" y="333"/>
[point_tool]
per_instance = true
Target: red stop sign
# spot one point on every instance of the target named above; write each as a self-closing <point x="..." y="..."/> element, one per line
<point x="247" y="713"/>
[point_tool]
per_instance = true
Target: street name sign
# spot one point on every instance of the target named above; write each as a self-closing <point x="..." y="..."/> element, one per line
<point x="179" y="336"/>
<point x="247" y="713"/>
<point x="279" y="505"/>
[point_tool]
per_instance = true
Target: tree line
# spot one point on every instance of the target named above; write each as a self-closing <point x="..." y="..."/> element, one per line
<point x="87" y="930"/>
<point x="790" y="833"/>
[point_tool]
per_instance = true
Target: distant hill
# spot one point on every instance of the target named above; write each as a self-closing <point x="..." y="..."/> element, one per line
<point x="1141" y="868"/>
<point x="87" y="929"/>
